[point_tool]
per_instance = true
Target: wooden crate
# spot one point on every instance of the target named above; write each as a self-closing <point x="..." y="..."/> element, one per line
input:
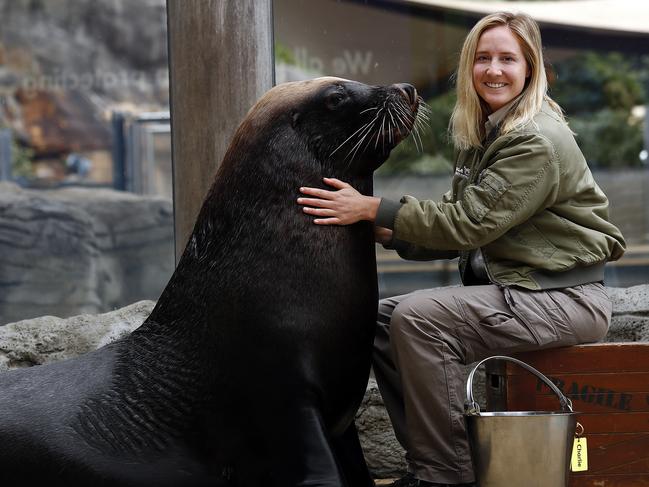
<point x="608" y="384"/>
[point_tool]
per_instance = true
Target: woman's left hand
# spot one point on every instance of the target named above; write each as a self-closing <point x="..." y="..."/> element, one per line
<point x="341" y="207"/>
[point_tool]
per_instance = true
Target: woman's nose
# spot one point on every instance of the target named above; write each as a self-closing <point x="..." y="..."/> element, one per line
<point x="494" y="68"/>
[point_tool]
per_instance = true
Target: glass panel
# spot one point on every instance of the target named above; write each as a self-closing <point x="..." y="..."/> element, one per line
<point x="599" y="73"/>
<point x="86" y="220"/>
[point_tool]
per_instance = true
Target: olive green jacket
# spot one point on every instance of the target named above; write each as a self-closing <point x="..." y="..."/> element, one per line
<point x="527" y="200"/>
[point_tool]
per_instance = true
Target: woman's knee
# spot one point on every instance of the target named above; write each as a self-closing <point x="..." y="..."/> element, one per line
<point x="414" y="317"/>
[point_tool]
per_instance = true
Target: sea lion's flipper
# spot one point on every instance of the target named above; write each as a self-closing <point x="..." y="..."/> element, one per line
<point x="349" y="453"/>
<point x="316" y="461"/>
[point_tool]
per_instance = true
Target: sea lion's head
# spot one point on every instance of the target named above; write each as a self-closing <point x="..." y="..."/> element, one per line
<point x="347" y="127"/>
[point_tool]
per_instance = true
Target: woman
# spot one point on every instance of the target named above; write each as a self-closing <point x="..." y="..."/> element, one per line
<point x="530" y="226"/>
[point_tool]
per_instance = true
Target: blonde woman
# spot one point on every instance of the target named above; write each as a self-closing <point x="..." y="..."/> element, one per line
<point x="531" y="229"/>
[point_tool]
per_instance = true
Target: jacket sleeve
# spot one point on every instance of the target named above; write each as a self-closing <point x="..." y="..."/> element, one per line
<point x="410" y="251"/>
<point x="522" y="180"/>
<point x="385" y="216"/>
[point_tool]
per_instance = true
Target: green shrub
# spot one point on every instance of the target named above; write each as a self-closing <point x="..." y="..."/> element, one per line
<point x="591" y="81"/>
<point x="21" y="158"/>
<point x="598" y="91"/>
<point x="608" y="138"/>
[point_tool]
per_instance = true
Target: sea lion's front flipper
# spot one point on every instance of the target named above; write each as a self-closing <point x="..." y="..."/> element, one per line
<point x="313" y="461"/>
<point x="349" y="454"/>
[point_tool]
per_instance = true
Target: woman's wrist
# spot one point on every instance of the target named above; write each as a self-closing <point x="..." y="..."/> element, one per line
<point x="372" y="208"/>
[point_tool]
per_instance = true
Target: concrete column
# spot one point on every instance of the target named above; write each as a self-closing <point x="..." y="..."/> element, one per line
<point x="221" y="62"/>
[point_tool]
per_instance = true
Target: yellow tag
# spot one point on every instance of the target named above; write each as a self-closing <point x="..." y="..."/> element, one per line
<point x="579" y="462"/>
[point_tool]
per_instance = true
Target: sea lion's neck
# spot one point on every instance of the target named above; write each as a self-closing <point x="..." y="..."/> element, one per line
<point x="249" y="221"/>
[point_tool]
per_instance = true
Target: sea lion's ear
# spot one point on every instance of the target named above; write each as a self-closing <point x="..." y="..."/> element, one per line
<point x="295" y="117"/>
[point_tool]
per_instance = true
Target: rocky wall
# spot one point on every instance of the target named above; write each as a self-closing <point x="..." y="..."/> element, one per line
<point x="77" y="250"/>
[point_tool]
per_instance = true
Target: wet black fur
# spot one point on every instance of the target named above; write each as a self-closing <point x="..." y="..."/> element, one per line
<point x="250" y="369"/>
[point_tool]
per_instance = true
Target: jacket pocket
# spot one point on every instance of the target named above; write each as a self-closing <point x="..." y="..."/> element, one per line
<point x="528" y="236"/>
<point x="496" y="328"/>
<point x="537" y="311"/>
<point x="478" y="200"/>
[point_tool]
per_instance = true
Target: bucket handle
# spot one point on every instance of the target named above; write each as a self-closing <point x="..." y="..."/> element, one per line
<point x="472" y="407"/>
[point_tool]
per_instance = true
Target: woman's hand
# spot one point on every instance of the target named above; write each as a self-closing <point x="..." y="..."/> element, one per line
<point x="341" y="207"/>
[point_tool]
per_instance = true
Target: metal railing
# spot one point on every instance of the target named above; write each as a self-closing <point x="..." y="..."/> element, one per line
<point x="5" y="155"/>
<point x="138" y="165"/>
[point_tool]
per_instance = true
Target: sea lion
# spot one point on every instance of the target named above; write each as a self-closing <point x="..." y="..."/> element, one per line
<point x="252" y="364"/>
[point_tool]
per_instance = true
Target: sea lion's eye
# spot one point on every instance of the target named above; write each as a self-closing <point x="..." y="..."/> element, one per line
<point x="335" y="99"/>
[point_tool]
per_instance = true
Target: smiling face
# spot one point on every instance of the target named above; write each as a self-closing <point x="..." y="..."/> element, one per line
<point x="499" y="67"/>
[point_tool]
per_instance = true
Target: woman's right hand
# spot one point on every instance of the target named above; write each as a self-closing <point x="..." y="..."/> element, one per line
<point x="382" y="235"/>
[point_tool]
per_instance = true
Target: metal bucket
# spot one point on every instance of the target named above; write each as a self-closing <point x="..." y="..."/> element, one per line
<point x="520" y="448"/>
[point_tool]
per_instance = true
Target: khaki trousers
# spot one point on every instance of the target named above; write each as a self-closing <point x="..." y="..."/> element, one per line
<point x="425" y="338"/>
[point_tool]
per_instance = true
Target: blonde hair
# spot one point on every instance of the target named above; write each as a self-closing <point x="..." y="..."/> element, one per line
<point x="470" y="112"/>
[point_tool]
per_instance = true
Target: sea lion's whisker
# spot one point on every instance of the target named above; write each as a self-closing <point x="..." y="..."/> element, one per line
<point x="379" y="132"/>
<point x="416" y="137"/>
<point x="406" y="113"/>
<point x="419" y="124"/>
<point x="422" y="118"/>
<point x="406" y="123"/>
<point x="361" y="139"/>
<point x="419" y="130"/>
<point x="411" y="118"/>
<point x="384" y="125"/>
<point x="352" y="153"/>
<point x="390" y="113"/>
<point x="401" y="121"/>
<point x="419" y="146"/>
<point x="355" y="147"/>
<point x="395" y="123"/>
<point x="367" y="144"/>
<point x="352" y="135"/>
<point x="423" y="112"/>
<point x="359" y="145"/>
<point x="368" y="109"/>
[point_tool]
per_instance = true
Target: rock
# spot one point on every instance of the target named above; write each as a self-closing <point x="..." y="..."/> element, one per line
<point x="116" y="49"/>
<point x="65" y="64"/>
<point x="76" y="250"/>
<point x="62" y="122"/>
<point x="48" y="256"/>
<point x="630" y="321"/>
<point x="384" y="455"/>
<point x="49" y="339"/>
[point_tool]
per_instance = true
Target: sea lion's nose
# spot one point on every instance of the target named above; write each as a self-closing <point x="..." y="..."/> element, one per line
<point x="408" y="90"/>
